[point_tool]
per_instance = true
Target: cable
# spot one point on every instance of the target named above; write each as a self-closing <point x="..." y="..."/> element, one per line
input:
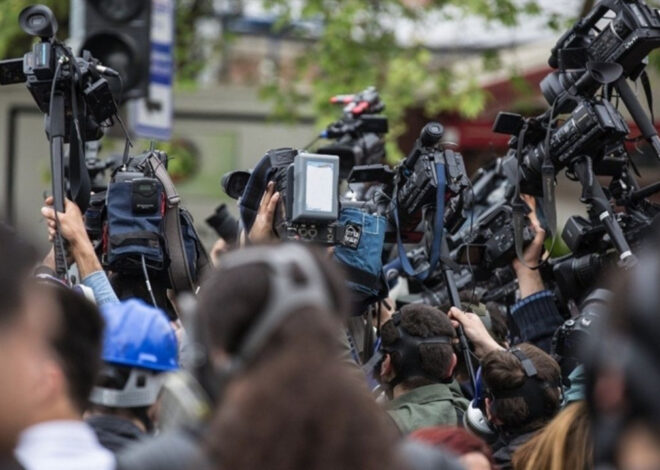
<point x="148" y="282"/>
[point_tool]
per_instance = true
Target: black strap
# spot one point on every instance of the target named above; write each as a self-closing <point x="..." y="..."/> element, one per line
<point x="646" y="84"/>
<point x="178" y="271"/>
<point x="79" y="183"/>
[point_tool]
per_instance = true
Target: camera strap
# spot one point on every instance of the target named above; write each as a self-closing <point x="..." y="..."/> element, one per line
<point x="178" y="270"/>
<point x="519" y="207"/>
<point x="438" y="227"/>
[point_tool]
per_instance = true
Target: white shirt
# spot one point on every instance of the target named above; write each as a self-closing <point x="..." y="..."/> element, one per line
<point x="62" y="445"/>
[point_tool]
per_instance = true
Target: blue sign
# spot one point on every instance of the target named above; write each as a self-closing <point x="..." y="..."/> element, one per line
<point x="152" y="116"/>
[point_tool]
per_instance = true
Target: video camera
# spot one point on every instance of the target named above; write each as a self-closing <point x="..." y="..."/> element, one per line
<point x="77" y="100"/>
<point x="358" y="135"/>
<point x="309" y="188"/>
<point x="594" y="128"/>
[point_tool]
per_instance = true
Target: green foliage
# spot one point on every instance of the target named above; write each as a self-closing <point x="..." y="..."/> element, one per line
<point x="358" y="48"/>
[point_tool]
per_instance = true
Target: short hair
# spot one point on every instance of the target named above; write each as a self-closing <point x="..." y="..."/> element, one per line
<point x="502" y="370"/>
<point x="423" y="321"/>
<point x="77" y="342"/>
<point x="16" y="260"/>
<point x="231" y="301"/>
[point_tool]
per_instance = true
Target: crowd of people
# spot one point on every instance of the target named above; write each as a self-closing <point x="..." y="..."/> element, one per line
<point x="260" y="370"/>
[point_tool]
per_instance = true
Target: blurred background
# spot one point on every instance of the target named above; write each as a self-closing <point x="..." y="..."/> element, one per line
<point x="245" y="76"/>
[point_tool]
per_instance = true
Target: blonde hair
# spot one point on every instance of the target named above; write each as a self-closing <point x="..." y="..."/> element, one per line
<point x="564" y="443"/>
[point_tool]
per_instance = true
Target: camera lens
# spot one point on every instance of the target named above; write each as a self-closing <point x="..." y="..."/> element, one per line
<point x="37" y="21"/>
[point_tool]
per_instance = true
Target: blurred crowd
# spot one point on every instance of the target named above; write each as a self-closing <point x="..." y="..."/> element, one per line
<point x="262" y="368"/>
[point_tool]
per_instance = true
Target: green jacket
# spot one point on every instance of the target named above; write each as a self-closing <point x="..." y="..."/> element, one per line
<point x="430" y="405"/>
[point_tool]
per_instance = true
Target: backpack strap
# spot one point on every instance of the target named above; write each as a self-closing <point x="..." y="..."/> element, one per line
<point x="178" y="270"/>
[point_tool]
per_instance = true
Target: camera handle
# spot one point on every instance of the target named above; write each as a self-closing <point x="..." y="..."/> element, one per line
<point x="56" y="132"/>
<point x="638" y="114"/>
<point x="593" y="194"/>
<point x="455" y="301"/>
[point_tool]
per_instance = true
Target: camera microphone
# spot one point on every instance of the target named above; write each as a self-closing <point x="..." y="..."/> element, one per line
<point x="103" y="70"/>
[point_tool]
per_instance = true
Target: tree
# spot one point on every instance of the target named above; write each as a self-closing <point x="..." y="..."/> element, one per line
<point x="358" y="48"/>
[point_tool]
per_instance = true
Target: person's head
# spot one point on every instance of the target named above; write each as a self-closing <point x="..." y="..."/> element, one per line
<point x="471" y="451"/>
<point x="565" y="442"/>
<point x="23" y="338"/>
<point x="250" y="305"/>
<point x="417" y="344"/>
<point x="523" y="386"/>
<point x="622" y="369"/>
<point x="300" y="408"/>
<point x="139" y="346"/>
<point x="75" y="355"/>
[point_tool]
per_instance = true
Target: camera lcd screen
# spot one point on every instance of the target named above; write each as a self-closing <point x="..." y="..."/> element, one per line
<point x="319" y="190"/>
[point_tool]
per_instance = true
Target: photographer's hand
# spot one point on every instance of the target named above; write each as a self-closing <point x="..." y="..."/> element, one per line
<point x="529" y="280"/>
<point x="72" y="228"/>
<point x="262" y="229"/>
<point x="475" y="331"/>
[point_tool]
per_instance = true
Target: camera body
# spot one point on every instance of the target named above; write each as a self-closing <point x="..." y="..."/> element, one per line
<point x="595" y="128"/>
<point x="309" y="187"/>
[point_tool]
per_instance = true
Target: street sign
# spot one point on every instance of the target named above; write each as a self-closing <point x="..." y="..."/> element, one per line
<point x="151" y="117"/>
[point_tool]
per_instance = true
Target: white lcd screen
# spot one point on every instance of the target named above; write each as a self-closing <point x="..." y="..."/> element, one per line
<point x="319" y="192"/>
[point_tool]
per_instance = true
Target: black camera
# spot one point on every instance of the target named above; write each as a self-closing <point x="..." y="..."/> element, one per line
<point x="595" y="128"/>
<point x="416" y="178"/>
<point x="309" y="189"/>
<point x="358" y="135"/>
<point x="606" y="51"/>
<point x="50" y="61"/>
<point x="224" y="224"/>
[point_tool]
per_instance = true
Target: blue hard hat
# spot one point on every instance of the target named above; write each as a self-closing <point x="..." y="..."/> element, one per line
<point x="138" y="335"/>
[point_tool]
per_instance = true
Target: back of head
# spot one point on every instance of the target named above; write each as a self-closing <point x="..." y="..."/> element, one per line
<point x="428" y="363"/>
<point x="77" y="343"/>
<point x="259" y="299"/>
<point x="622" y="367"/>
<point x="564" y="443"/>
<point x="506" y="379"/>
<point x="301" y="409"/>
<point x="233" y="300"/>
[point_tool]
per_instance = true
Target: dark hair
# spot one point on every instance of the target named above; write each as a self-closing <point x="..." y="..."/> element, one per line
<point x="502" y="370"/>
<point x="301" y="409"/>
<point x="16" y="261"/>
<point x="423" y="321"/>
<point x="77" y="342"/>
<point x="456" y="440"/>
<point x="231" y="301"/>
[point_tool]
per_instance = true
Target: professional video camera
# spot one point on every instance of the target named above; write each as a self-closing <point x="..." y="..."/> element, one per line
<point x="309" y="188"/>
<point x="138" y="225"/>
<point x="76" y="98"/>
<point x="600" y="52"/>
<point x="358" y="135"/>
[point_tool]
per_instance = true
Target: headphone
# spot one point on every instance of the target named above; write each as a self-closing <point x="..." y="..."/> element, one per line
<point x="406" y="355"/>
<point x="192" y="394"/>
<point x="531" y="390"/>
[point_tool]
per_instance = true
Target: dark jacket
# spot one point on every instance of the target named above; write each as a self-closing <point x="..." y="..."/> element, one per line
<point x="114" y="432"/>
<point x="9" y="463"/>
<point x="430" y="405"/>
<point x="536" y="318"/>
<point x="506" y="446"/>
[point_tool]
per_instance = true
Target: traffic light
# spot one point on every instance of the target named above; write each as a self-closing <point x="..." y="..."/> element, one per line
<point x="117" y="32"/>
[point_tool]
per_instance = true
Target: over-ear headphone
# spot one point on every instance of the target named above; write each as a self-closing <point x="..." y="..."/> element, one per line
<point x="532" y="391"/>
